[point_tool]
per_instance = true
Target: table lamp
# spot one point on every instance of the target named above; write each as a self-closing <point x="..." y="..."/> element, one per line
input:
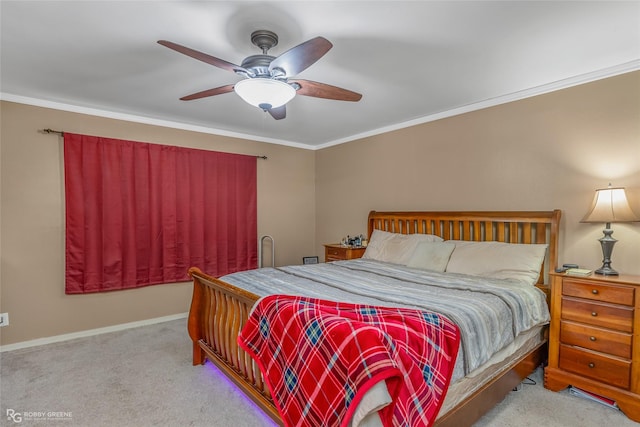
<point x="609" y="205"/>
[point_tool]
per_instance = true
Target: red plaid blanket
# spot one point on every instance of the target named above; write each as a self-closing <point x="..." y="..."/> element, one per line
<point x="320" y="357"/>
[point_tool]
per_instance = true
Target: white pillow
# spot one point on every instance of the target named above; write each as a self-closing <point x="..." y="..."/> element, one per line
<point x="431" y="255"/>
<point x="394" y="247"/>
<point x="521" y="262"/>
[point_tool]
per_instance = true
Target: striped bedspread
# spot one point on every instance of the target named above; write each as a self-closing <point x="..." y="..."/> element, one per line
<point x="320" y="358"/>
<point x="490" y="313"/>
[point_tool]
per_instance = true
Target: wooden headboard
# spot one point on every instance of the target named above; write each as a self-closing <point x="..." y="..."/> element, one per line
<point x="525" y="227"/>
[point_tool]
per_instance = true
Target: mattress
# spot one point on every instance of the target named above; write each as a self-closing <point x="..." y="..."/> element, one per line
<point x="491" y="313"/>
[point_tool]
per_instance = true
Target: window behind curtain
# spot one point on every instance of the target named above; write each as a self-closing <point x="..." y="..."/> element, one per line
<point x="140" y="214"/>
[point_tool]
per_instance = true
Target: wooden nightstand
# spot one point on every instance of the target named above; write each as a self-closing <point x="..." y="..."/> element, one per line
<point x="594" y="338"/>
<point x="337" y="252"/>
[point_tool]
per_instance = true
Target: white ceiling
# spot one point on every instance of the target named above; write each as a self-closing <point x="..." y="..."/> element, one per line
<point x="413" y="61"/>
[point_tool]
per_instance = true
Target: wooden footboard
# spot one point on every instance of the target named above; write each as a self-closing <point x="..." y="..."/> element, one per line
<point x="218" y="313"/>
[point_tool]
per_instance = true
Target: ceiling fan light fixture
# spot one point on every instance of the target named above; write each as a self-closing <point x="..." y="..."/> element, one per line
<point x="264" y="93"/>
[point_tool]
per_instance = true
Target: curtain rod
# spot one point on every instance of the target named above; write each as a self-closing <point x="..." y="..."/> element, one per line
<point x="59" y="132"/>
<point x="52" y="131"/>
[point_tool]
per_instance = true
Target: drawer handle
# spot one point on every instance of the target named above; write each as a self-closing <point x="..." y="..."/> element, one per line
<point x="592" y="338"/>
<point x="594" y="314"/>
<point x="592" y="365"/>
<point x="595" y="292"/>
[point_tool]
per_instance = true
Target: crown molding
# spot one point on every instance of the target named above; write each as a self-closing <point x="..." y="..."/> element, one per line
<point x="141" y="119"/>
<point x="511" y="97"/>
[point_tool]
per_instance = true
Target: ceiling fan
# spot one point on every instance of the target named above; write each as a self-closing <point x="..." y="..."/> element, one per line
<point x="268" y="82"/>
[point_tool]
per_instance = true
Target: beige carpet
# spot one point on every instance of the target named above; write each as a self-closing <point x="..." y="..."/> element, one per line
<point x="144" y="377"/>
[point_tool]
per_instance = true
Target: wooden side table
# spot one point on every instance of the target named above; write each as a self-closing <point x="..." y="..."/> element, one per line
<point x="337" y="252"/>
<point x="594" y="338"/>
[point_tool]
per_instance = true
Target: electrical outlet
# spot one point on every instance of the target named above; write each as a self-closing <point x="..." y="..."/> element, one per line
<point x="4" y="319"/>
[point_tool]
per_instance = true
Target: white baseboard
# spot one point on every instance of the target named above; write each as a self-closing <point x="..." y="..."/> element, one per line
<point x="90" y="332"/>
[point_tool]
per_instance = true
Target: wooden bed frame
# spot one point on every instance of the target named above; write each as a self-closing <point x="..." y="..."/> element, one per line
<point x="219" y="310"/>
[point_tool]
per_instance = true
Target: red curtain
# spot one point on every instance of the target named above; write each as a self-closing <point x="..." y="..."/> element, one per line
<point x="140" y="214"/>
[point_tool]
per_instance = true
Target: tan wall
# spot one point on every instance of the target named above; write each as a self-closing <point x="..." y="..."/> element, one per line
<point x="546" y="152"/>
<point x="32" y="218"/>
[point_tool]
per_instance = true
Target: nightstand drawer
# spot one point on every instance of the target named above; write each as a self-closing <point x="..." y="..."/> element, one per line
<point x="598" y="291"/>
<point x="337" y="252"/>
<point x="603" y="340"/>
<point x="604" y="315"/>
<point x="594" y="365"/>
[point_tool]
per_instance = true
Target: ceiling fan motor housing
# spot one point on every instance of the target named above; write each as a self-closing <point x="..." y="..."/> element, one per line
<point x="258" y="64"/>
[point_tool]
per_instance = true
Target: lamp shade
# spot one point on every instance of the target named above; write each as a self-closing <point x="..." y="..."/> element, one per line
<point x="610" y="205"/>
<point x="264" y="93"/>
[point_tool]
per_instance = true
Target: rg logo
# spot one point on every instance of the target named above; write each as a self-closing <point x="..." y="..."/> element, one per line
<point x="16" y="417"/>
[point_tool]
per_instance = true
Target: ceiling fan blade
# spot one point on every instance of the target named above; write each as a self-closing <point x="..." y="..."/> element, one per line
<point x="323" y="90"/>
<point x="212" y="60"/>
<point x="209" y="92"/>
<point x="278" y="113"/>
<point x="299" y="58"/>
